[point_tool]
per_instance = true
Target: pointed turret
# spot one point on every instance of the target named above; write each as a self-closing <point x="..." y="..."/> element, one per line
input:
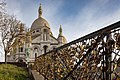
<point x="61" y="39"/>
<point x="21" y="27"/>
<point x="40" y="10"/>
<point x="60" y="31"/>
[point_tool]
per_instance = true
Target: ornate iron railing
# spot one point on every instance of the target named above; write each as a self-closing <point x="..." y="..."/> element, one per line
<point x="95" y="56"/>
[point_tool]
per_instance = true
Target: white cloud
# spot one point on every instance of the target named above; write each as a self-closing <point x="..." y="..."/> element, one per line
<point x="14" y="8"/>
<point x="74" y="26"/>
<point x="88" y="21"/>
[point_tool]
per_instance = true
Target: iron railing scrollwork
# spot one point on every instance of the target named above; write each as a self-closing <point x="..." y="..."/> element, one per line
<point x="95" y="56"/>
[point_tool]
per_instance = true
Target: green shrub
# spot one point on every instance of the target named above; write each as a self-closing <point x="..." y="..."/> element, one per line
<point x="12" y="72"/>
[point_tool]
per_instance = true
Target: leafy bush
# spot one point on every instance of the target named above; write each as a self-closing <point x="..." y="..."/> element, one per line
<point x="12" y="72"/>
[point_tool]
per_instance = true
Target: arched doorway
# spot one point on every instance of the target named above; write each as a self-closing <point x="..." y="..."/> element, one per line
<point x="45" y="48"/>
<point x="20" y="60"/>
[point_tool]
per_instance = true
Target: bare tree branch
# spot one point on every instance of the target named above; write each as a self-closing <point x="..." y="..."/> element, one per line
<point x="9" y="28"/>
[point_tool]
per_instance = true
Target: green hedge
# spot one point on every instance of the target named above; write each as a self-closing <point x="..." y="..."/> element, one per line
<point x="12" y="72"/>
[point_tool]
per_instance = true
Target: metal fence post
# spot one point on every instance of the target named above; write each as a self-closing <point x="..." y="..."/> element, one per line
<point x="55" y="51"/>
<point x="45" y="50"/>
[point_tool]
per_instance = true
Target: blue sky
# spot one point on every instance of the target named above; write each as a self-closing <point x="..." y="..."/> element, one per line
<point x="77" y="17"/>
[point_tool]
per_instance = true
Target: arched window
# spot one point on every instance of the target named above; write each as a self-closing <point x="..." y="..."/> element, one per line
<point x="35" y="48"/>
<point x="45" y="30"/>
<point x="33" y="31"/>
<point x="21" y="49"/>
<point x="45" y="48"/>
<point x="20" y="60"/>
<point x="35" y="55"/>
<point x="45" y="35"/>
<point x="35" y="51"/>
<point x="37" y="30"/>
<point x="53" y="47"/>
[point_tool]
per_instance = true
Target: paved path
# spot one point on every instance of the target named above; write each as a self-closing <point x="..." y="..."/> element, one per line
<point x="36" y="75"/>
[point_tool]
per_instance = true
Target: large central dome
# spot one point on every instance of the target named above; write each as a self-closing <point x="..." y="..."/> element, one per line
<point x="39" y="23"/>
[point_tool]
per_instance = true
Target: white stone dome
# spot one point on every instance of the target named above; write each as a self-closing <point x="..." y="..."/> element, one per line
<point x="39" y="23"/>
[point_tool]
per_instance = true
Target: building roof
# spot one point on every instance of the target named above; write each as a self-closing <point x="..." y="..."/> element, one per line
<point x="39" y="23"/>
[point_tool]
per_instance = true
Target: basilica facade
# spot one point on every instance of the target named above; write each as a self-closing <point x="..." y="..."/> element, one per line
<point x="35" y="42"/>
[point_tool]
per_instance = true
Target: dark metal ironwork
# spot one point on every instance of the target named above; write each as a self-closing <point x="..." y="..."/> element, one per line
<point x="95" y="56"/>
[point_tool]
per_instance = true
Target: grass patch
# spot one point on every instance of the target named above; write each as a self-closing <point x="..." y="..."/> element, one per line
<point x="12" y="72"/>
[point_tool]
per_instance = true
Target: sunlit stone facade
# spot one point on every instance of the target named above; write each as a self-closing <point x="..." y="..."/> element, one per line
<point x="32" y="43"/>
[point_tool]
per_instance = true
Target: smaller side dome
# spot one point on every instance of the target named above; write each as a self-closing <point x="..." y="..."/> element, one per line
<point x="61" y="39"/>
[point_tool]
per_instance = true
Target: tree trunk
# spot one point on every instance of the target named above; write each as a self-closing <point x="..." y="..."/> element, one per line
<point x="5" y="57"/>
